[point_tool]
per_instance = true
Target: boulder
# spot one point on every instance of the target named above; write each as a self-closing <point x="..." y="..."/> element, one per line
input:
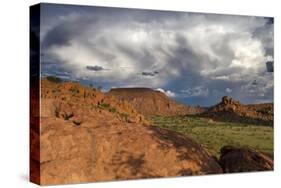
<point x="234" y="159"/>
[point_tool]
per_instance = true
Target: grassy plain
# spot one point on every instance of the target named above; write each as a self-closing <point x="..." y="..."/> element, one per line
<point x="214" y="135"/>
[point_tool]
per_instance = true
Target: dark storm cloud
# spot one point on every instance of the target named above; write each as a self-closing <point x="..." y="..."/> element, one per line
<point x="154" y="73"/>
<point x="95" y="68"/>
<point x="58" y="36"/>
<point x="269" y="66"/>
<point x="201" y="57"/>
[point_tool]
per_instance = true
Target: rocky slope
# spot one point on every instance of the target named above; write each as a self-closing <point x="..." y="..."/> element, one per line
<point x="71" y="96"/>
<point x="86" y="136"/>
<point x="150" y="102"/>
<point x="231" y="110"/>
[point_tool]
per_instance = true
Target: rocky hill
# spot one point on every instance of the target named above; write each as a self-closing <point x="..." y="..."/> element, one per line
<point x="151" y="102"/>
<point x="88" y="136"/>
<point x="231" y="110"/>
<point x="68" y="95"/>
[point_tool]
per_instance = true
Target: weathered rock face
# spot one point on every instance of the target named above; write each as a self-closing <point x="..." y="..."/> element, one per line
<point x="65" y="98"/>
<point x="228" y="100"/>
<point x="231" y="110"/>
<point x="100" y="138"/>
<point x="150" y="102"/>
<point x="244" y="160"/>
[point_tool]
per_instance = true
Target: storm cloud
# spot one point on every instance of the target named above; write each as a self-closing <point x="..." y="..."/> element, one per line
<point x="95" y="68"/>
<point x="198" y="57"/>
<point x="154" y="73"/>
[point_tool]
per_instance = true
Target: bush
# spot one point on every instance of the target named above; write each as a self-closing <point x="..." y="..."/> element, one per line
<point x="112" y="109"/>
<point x="54" y="79"/>
<point x="124" y="116"/>
<point x="108" y="107"/>
<point x="77" y="123"/>
<point x="105" y="105"/>
<point x="67" y="116"/>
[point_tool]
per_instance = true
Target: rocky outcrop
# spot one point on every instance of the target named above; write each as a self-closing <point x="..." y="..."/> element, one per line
<point x="244" y="160"/>
<point x="68" y="98"/>
<point x="86" y="136"/>
<point x="234" y="111"/>
<point x="151" y="102"/>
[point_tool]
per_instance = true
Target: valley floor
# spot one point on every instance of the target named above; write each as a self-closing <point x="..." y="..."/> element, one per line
<point x="214" y="135"/>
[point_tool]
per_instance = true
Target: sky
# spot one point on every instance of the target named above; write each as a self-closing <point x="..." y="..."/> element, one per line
<point x="194" y="58"/>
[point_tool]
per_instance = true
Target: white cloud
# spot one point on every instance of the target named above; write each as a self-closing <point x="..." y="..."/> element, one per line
<point x="261" y="87"/>
<point x="228" y="90"/>
<point x="269" y="58"/>
<point x="198" y="91"/>
<point x="167" y="92"/>
<point x="214" y="49"/>
<point x="222" y="43"/>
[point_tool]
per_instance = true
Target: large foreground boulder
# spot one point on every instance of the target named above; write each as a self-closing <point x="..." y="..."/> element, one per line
<point x="103" y="152"/>
<point x="244" y="160"/>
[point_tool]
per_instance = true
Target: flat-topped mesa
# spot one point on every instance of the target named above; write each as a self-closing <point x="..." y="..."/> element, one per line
<point x="136" y="92"/>
<point x="152" y="102"/>
<point x="132" y="89"/>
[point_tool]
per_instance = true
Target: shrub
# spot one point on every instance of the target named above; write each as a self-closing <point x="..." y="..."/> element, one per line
<point x="124" y="116"/>
<point x="108" y="107"/>
<point x="104" y="105"/>
<point x="57" y="110"/>
<point x="54" y="79"/>
<point x="67" y="116"/>
<point x="113" y="110"/>
<point x="77" y="123"/>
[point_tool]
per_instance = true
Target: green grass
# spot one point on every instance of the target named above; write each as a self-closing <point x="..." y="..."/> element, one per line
<point x="215" y="135"/>
<point x="113" y="110"/>
<point x="108" y="107"/>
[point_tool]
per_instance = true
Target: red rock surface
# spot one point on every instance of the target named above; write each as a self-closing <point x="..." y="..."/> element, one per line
<point x="86" y="136"/>
<point x="151" y="102"/>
